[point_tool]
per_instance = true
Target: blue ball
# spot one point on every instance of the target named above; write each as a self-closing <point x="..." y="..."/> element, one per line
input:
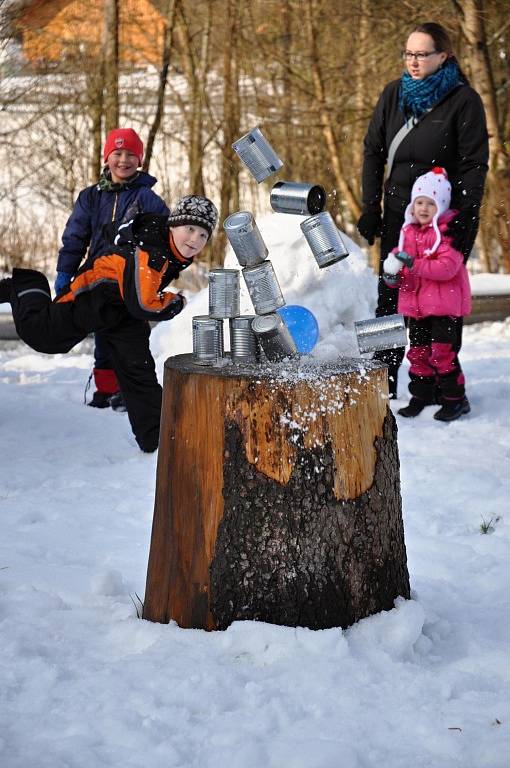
<point x="302" y="325"/>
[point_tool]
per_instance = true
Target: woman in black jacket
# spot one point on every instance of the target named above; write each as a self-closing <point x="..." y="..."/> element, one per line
<point x="446" y="127"/>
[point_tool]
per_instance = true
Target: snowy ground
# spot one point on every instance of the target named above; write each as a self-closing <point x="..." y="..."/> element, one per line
<point x="85" y="683"/>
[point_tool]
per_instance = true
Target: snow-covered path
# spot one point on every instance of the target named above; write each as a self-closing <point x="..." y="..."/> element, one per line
<point x="85" y="683"/>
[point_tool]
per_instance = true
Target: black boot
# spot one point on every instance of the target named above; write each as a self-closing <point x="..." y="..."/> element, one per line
<point x="414" y="408"/>
<point x="100" y="400"/>
<point x="117" y="402"/>
<point x="5" y="290"/>
<point x="453" y="409"/>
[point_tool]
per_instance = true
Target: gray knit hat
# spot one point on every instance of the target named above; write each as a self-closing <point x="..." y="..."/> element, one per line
<point x="194" y="209"/>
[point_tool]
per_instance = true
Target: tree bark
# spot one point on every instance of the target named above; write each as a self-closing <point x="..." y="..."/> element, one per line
<point x="171" y="8"/>
<point x="230" y="125"/>
<point x="111" y="64"/>
<point x="277" y="496"/>
<point x="473" y="27"/>
<point x="349" y="195"/>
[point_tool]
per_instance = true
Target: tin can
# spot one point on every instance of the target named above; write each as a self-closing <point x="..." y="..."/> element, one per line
<point x="379" y="333"/>
<point x="207" y="340"/>
<point x="324" y="239"/>
<point x="245" y="238"/>
<point x="257" y="154"/>
<point x="244" y="344"/>
<point x="274" y="337"/>
<point x="298" y="198"/>
<point x="223" y="293"/>
<point x="263" y="288"/>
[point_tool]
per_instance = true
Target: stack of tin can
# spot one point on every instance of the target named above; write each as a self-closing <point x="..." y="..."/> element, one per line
<point x="208" y="339"/>
<point x="266" y="330"/>
<point x="262" y="284"/>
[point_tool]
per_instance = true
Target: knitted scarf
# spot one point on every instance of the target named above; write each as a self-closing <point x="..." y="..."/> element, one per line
<point x="105" y="183"/>
<point x="417" y="96"/>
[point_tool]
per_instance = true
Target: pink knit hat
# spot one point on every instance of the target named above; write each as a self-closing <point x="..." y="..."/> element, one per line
<point x="436" y="187"/>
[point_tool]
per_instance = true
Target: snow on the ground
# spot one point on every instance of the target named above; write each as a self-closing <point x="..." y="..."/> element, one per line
<point x="84" y="682"/>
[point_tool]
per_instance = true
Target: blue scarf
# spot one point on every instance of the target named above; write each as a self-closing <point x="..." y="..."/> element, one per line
<point x="417" y="96"/>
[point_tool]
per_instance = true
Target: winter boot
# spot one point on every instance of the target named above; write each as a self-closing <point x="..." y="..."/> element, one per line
<point x="106" y="386"/>
<point x="414" y="408"/>
<point x="453" y="409"/>
<point x="117" y="402"/>
<point x="100" y="400"/>
<point x="5" y="290"/>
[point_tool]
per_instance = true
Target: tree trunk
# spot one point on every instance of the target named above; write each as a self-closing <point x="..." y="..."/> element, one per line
<point x="348" y="194"/>
<point x="95" y="99"/>
<point x="230" y="125"/>
<point x="277" y="496"/>
<point x="111" y="64"/>
<point x="171" y="8"/>
<point x="473" y="27"/>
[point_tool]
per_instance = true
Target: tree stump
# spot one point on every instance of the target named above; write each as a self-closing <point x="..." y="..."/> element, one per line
<point x="277" y="496"/>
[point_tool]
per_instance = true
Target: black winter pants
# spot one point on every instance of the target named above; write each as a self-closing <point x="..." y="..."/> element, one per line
<point x="387" y="298"/>
<point x="56" y="328"/>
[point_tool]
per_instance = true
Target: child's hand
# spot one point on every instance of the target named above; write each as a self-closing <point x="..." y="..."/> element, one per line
<point x="392" y="265"/>
<point x="405" y="258"/>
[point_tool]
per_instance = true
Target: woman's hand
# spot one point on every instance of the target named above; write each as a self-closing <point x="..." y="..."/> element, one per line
<point x="369" y="226"/>
<point x="462" y="229"/>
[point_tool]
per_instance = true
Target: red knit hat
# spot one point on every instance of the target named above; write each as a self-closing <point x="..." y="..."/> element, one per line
<point x="123" y="138"/>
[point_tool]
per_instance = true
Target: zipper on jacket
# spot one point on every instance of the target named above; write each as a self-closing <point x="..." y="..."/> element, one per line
<point x="115" y="206"/>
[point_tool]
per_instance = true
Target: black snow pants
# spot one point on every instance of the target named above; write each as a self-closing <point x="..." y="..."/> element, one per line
<point x="387" y="298"/>
<point x="55" y="328"/>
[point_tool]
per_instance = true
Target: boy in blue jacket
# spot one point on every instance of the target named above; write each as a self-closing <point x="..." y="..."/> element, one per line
<point x="121" y="193"/>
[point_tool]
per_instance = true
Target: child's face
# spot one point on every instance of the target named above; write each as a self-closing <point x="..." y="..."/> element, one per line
<point x="122" y="164"/>
<point x="424" y="210"/>
<point x="190" y="239"/>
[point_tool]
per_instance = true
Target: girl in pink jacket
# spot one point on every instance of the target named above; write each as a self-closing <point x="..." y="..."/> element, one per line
<point x="434" y="294"/>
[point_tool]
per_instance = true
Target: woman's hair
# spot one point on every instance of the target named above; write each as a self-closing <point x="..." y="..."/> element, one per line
<point x="442" y="42"/>
<point x="441" y="38"/>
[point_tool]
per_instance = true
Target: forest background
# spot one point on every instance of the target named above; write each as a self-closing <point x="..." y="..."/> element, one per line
<point x="193" y="75"/>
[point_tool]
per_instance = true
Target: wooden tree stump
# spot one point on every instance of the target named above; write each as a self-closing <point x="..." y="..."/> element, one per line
<point x="277" y="496"/>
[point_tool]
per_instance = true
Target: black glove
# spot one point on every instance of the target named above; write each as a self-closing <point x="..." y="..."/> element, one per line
<point x="462" y="229"/>
<point x="369" y="226"/>
<point x="406" y="259"/>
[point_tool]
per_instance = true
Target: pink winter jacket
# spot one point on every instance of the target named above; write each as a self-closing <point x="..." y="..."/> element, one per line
<point x="437" y="284"/>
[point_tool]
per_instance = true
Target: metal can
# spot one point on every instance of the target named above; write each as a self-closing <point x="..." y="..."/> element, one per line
<point x="297" y="197"/>
<point x="245" y="238"/>
<point x="274" y="337"/>
<point x="257" y="154"/>
<point x="223" y="293"/>
<point x="244" y="344"/>
<point x="263" y="287"/>
<point x="378" y="333"/>
<point x="207" y="340"/>
<point x="324" y="239"/>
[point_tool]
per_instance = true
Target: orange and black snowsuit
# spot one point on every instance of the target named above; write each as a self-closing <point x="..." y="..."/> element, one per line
<point x="116" y="293"/>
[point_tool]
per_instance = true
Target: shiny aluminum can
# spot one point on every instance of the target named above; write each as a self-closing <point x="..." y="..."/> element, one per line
<point x="257" y="154"/>
<point x="244" y="344"/>
<point x="274" y="337"/>
<point x="263" y="287"/>
<point x="223" y="293"/>
<point x="207" y="340"/>
<point x="297" y="198"/>
<point x="324" y="239"/>
<point x="379" y="333"/>
<point x="244" y="237"/>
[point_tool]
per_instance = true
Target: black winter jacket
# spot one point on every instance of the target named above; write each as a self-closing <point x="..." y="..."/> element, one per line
<point x="453" y="135"/>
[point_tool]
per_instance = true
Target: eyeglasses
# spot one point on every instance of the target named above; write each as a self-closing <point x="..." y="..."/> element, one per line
<point x="419" y="56"/>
